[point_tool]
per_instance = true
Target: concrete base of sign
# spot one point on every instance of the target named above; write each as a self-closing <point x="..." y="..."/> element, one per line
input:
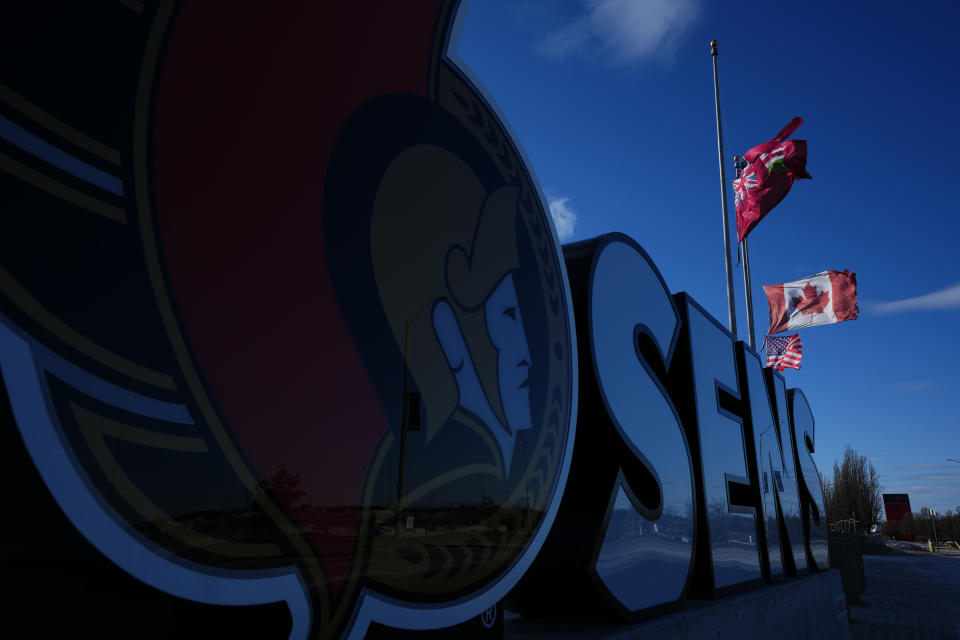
<point x="809" y="607"/>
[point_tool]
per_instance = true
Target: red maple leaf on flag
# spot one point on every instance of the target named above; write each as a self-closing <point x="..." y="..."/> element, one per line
<point x="810" y="302"/>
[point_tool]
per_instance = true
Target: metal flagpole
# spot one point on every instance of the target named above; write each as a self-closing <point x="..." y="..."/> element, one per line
<point x="723" y="196"/>
<point x="746" y="271"/>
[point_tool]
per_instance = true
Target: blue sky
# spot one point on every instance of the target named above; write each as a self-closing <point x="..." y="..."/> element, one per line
<point x="612" y="101"/>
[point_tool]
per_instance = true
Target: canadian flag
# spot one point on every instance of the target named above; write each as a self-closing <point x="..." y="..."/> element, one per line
<point x="824" y="298"/>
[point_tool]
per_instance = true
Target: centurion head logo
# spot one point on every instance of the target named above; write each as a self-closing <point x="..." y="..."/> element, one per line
<point x="446" y="272"/>
<point x="475" y="354"/>
<point x="323" y="354"/>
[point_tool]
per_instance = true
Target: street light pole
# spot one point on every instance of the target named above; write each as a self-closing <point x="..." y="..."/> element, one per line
<point x="739" y="165"/>
<point x="936" y="543"/>
<point x="405" y="411"/>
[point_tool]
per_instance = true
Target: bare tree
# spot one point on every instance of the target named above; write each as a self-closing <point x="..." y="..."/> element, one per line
<point x="855" y="491"/>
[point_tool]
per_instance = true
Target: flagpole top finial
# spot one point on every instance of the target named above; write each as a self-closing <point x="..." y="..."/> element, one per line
<point x="714" y="43"/>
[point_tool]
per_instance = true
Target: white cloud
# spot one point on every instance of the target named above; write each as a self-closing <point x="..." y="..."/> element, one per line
<point x="948" y="298"/>
<point x="918" y="385"/>
<point x="564" y="217"/>
<point x="915" y="466"/>
<point x="623" y="31"/>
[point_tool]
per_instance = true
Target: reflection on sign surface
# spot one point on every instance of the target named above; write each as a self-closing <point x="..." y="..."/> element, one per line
<point x="732" y="524"/>
<point x="814" y="513"/>
<point x="769" y="458"/>
<point x="652" y="537"/>
<point x="303" y="361"/>
<point x="293" y="333"/>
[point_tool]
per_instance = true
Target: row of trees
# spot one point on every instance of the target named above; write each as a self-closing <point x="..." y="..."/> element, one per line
<point x="923" y="525"/>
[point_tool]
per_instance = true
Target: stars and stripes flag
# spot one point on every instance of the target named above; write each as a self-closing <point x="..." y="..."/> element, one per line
<point x="784" y="351"/>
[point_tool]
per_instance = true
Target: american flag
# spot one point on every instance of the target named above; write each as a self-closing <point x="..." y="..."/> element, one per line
<point x="784" y="351"/>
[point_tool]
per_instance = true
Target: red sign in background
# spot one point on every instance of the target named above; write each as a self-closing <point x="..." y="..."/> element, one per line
<point x="896" y="506"/>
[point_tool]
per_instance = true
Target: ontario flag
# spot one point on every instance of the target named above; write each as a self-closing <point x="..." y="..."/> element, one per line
<point x="771" y="169"/>
<point x="824" y="298"/>
<point x="784" y="351"/>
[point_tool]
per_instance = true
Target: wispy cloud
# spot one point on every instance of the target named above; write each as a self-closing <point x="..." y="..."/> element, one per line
<point x="948" y="298"/>
<point x="924" y="467"/>
<point x="564" y="217"/>
<point x="622" y="31"/>
<point x="936" y="476"/>
<point x="921" y="478"/>
<point x="916" y="385"/>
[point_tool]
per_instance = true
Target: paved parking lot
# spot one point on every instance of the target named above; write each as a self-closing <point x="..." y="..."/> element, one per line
<point x="909" y="596"/>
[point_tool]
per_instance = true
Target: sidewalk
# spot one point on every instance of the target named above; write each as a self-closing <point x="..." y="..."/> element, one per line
<point x="909" y="596"/>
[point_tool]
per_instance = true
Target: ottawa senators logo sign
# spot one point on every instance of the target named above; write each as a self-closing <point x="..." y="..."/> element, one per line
<point x="282" y="315"/>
